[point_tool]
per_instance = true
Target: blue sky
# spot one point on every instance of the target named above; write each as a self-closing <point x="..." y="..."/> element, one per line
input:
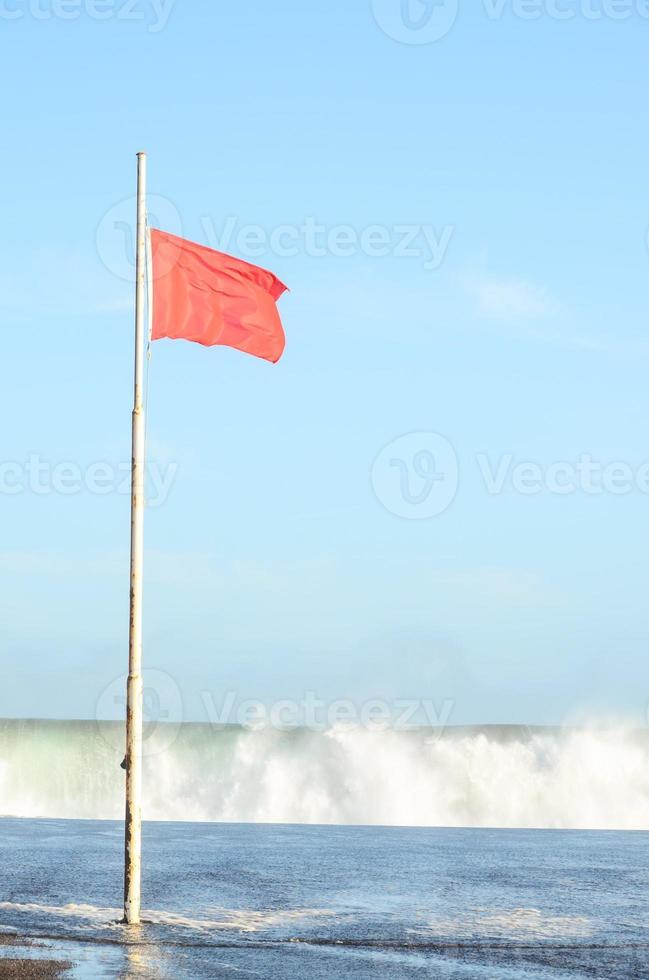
<point x="283" y="559"/>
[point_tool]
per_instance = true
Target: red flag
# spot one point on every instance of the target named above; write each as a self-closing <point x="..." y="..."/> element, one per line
<point x="212" y="298"/>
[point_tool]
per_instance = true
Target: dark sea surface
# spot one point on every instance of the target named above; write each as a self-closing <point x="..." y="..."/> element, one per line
<point x="297" y="902"/>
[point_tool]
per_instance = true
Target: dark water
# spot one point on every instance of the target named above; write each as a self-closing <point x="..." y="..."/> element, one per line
<point x="301" y="902"/>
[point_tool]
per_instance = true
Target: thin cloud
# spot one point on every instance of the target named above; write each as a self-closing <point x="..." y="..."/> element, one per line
<point x="521" y="308"/>
<point x="513" y="300"/>
<point x="502" y="586"/>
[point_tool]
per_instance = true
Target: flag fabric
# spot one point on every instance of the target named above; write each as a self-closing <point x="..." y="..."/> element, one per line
<point x="212" y="298"/>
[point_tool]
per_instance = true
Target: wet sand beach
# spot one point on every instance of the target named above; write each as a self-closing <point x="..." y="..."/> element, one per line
<point x="27" y="967"/>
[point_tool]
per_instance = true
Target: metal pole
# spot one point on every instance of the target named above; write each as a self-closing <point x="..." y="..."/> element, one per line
<point x="133" y="823"/>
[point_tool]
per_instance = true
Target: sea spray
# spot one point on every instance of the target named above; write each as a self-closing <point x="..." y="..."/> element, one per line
<point x="478" y="777"/>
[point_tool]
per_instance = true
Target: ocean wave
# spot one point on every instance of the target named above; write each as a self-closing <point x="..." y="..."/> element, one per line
<point x="490" y="777"/>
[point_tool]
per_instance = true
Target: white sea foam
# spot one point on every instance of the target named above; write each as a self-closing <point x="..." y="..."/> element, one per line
<point x="511" y="924"/>
<point x="213" y="919"/>
<point x="578" y="778"/>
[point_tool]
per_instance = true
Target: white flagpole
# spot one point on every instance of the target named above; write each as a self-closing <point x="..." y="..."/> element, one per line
<point x="133" y="823"/>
